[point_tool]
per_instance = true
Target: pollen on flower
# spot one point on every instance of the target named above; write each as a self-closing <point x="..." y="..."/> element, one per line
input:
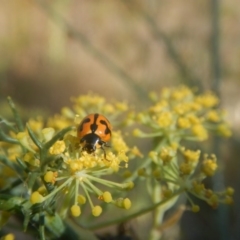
<point x="96" y="211"/>
<point x="208" y="100"/>
<point x="36" y="197"/>
<point x="181" y="93"/>
<point x="50" y="177"/>
<point x="57" y="148"/>
<point x="122" y="106"/>
<point x="213" y="116"/>
<point x="75" y="211"/>
<point x="183" y="122"/>
<point x="190" y="155"/>
<point x="198" y="187"/>
<point x="107" y="197"/>
<point x="118" y="143"/>
<point x="209" y="166"/>
<point x="165" y="119"/>
<point x="159" y="107"/>
<point x="185" y="168"/>
<point x="200" y="132"/>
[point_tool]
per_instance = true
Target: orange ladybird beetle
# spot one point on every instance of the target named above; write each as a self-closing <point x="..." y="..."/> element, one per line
<point x="94" y="132"/>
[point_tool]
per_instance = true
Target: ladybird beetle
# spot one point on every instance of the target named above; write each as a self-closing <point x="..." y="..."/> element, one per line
<point x="94" y="131"/>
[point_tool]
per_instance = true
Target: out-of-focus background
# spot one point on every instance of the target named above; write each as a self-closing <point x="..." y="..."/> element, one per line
<point x="52" y="50"/>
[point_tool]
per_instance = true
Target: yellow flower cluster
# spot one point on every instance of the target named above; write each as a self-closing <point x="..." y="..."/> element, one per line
<point x="178" y="113"/>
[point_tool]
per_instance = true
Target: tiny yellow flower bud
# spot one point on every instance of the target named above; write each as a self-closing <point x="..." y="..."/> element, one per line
<point x="185" y="168"/>
<point x="137" y="132"/>
<point x="183" y="122"/>
<point x="167" y="154"/>
<point x="81" y="199"/>
<point x="200" y="132"/>
<point x="129" y="185"/>
<point x="75" y="211"/>
<point x="126" y="203"/>
<point x="165" y="119"/>
<point x="57" y="148"/>
<point x="195" y="208"/>
<point x="42" y="190"/>
<point x="96" y="211"/>
<point x="224" y="130"/>
<point x="9" y="236"/>
<point x="229" y="191"/>
<point x="213" y="116"/>
<point x="213" y="201"/>
<point x="152" y="154"/>
<point x="191" y="156"/>
<point x="36" y="197"/>
<point x="209" y="166"/>
<point x="107" y="197"/>
<point x="49" y="176"/>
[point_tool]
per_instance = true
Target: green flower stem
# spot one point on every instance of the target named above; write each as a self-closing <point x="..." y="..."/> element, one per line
<point x="58" y="189"/>
<point x="34" y="137"/>
<point x="42" y="228"/>
<point x="105" y="182"/>
<point x="76" y="191"/>
<point x="94" y="188"/>
<point x="5" y="138"/>
<point x="16" y="115"/>
<point x="87" y="194"/>
<point x="150" y="135"/>
<point x="137" y="213"/>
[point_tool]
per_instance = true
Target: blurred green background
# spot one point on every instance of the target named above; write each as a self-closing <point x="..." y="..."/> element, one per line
<point x="52" y="50"/>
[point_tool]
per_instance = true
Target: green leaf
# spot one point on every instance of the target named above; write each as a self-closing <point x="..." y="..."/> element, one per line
<point x="54" y="224"/>
<point x="34" y="138"/>
<point x="16" y="115"/>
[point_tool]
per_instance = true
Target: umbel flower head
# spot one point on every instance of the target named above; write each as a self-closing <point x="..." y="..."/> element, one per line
<point x="60" y="176"/>
<point x="179" y="113"/>
<point x="54" y="167"/>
